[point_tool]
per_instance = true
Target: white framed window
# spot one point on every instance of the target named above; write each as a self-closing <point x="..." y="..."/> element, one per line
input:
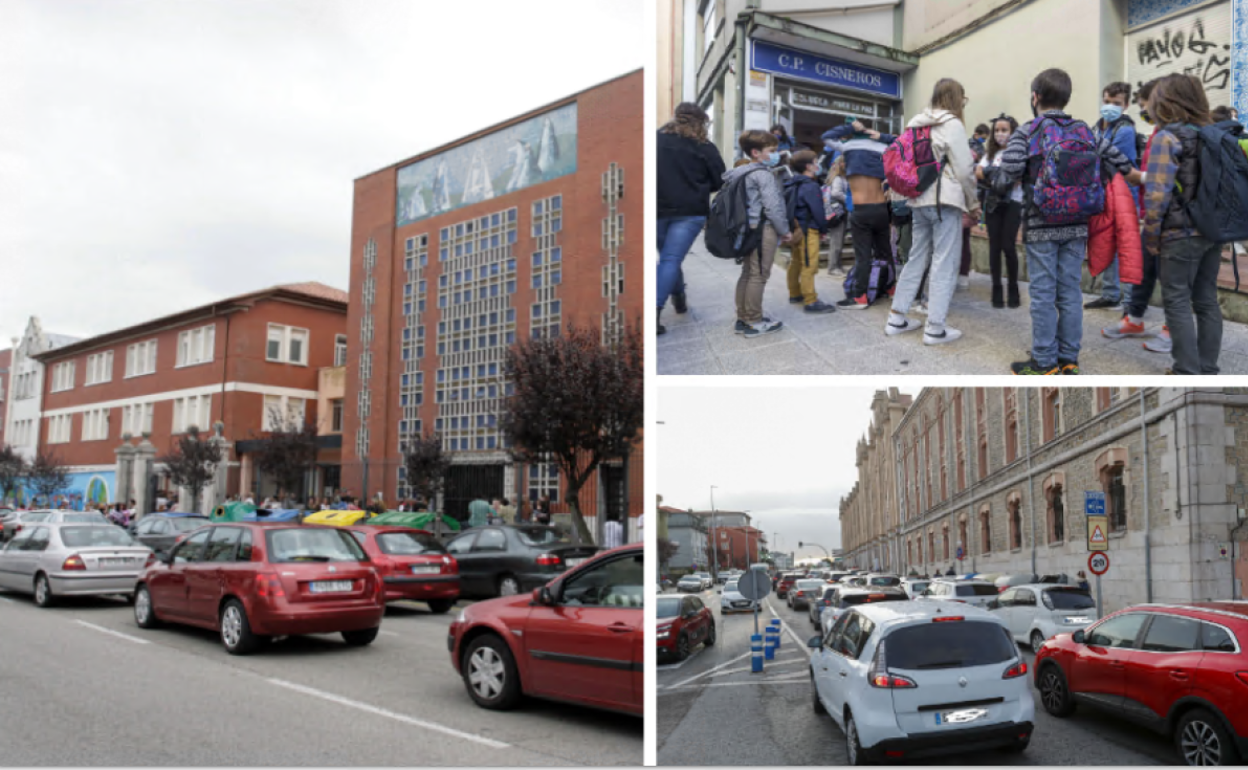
<point x="192" y="411"/>
<point x="95" y="425"/>
<point x="100" y="368"/>
<point x="63" y="376"/>
<point x="335" y="423"/>
<point x="136" y="419"/>
<point x="287" y="345"/>
<point x="141" y="358"/>
<point x="710" y="22"/>
<point x="340" y="350"/>
<point x="196" y="346"/>
<point x="59" y="428"/>
<point x="279" y="408"/>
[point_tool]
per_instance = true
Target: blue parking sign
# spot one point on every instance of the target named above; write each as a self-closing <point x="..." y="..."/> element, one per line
<point x="1094" y="503"/>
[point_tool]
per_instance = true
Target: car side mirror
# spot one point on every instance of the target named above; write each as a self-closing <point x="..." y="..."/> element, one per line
<point x="815" y="642"/>
<point x="1078" y="637"/>
<point x="994" y="605"/>
<point x="166" y="557"/>
<point x="543" y="596"/>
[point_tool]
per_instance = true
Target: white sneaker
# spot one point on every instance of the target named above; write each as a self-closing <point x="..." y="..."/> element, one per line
<point x="964" y="281"/>
<point x="920" y="308"/>
<point x="907" y="325"/>
<point x="942" y="337"/>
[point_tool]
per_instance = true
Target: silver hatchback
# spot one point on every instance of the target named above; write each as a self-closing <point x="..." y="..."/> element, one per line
<point x="51" y="560"/>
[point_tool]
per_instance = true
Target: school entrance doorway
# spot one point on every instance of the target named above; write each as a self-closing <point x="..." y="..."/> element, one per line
<point x="467" y="482"/>
<point x="812" y="110"/>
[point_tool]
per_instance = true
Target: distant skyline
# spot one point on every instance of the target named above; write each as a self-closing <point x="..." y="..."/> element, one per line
<point x="786" y="455"/>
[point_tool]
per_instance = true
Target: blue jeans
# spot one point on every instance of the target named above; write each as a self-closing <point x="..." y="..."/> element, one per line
<point x="1110" y="287"/>
<point x="676" y="237"/>
<point x="1055" y="269"/>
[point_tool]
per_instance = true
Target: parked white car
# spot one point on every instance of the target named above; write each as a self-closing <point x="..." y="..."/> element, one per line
<point x="906" y="680"/>
<point x="914" y="587"/>
<point x="1035" y="613"/>
<point x="51" y="560"/>
<point x="733" y="601"/>
<point x="977" y="593"/>
<point x="691" y="584"/>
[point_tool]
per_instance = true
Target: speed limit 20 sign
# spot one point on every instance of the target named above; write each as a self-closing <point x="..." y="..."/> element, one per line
<point x="1098" y="563"/>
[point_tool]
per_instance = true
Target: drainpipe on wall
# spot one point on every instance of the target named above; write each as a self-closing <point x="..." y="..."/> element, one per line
<point x="741" y="74"/>
<point x="1148" y="524"/>
<point x="901" y="496"/>
<point x="1031" y="498"/>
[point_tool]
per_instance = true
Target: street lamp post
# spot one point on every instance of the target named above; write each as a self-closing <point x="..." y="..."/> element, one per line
<point x="714" y="539"/>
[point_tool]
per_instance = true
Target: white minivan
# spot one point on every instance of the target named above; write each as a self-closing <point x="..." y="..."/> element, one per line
<point x="906" y="680"/>
<point x="1034" y="613"/>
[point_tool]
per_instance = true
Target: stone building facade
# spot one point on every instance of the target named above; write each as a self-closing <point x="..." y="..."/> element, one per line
<point x="997" y="477"/>
<point x="869" y="513"/>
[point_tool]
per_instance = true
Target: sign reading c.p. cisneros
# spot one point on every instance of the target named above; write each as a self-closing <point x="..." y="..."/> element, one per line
<point x="803" y="65"/>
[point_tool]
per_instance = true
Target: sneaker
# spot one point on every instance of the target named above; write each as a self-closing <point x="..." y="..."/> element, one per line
<point x="1124" y="328"/>
<point x="854" y="303"/>
<point x="796" y="300"/>
<point x="964" y="281"/>
<point x="742" y="327"/>
<point x="1101" y="303"/>
<point x="1031" y="367"/>
<point x="1068" y="367"/>
<point x="819" y="306"/>
<point x="1161" y="343"/>
<point x="943" y="337"/>
<point x="907" y="325"/>
<point x="764" y="327"/>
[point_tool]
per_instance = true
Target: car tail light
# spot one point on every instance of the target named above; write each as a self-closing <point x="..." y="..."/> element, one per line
<point x="151" y="559"/>
<point x="74" y="563"/>
<point x="1001" y="589"/>
<point x="958" y="601"/>
<point x="1015" y="671"/>
<point x="894" y="754"/>
<point x="947" y="618"/>
<point x="549" y="560"/>
<point x="449" y="566"/>
<point x="879" y="676"/>
<point x="269" y="586"/>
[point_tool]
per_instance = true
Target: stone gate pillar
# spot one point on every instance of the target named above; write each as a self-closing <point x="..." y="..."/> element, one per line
<point x="125" y="470"/>
<point x="214" y="494"/>
<point x="144" y="469"/>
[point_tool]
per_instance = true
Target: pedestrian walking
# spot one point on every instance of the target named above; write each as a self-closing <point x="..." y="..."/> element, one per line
<point x="937" y="214"/>
<point x="804" y="203"/>
<point x="689" y="170"/>
<point x="480" y="513"/>
<point x="612" y="532"/>
<point x="1003" y="211"/>
<point x="542" y="510"/>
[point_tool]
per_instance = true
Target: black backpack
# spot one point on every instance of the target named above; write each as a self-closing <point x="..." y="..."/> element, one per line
<point x="728" y="232"/>
<point x="1217" y="209"/>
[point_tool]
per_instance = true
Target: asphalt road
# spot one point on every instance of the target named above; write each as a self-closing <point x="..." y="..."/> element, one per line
<point x="713" y="711"/>
<point x="81" y="684"/>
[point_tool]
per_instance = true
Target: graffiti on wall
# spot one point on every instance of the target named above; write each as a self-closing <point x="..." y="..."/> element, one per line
<point x="510" y="159"/>
<point x="1197" y="44"/>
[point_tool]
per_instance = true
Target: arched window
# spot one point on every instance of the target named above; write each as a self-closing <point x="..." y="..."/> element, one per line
<point x="985" y="530"/>
<point x="962" y="535"/>
<point x="1016" y="523"/>
<point x="945" y="536"/>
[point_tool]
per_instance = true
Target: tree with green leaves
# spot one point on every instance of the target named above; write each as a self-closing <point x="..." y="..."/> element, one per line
<point x="47" y="475"/>
<point x="13" y="469"/>
<point x="193" y="463"/>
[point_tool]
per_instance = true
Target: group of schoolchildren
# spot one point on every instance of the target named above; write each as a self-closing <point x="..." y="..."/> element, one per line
<point x="915" y="196"/>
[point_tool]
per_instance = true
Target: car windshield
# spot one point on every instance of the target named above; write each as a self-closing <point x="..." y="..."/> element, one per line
<point x="809" y="585"/>
<point x="885" y="580"/>
<point x="409" y="543"/>
<point x="865" y="598"/>
<point x="82" y="518"/>
<point x="188" y="523"/>
<point x="541" y="536"/>
<point x="320" y="545"/>
<point x="976" y="589"/>
<point x="731" y="585"/>
<point x="951" y="644"/>
<point x="669" y="606"/>
<point x="104" y="535"/>
<point x="1068" y="599"/>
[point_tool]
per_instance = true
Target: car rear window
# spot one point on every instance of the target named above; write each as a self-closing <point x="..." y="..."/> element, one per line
<point x="809" y="585"/>
<point x="409" y="544"/>
<point x="976" y="589"/>
<point x="104" y="535"/>
<point x="882" y="580"/>
<point x="731" y="585"/>
<point x="668" y="607"/>
<point x="188" y="523"/>
<point x="919" y="585"/>
<point x="319" y="545"/>
<point x="950" y="644"/>
<point x="852" y="599"/>
<point x="1068" y="599"/>
<point x="543" y="536"/>
<point x="82" y="518"/>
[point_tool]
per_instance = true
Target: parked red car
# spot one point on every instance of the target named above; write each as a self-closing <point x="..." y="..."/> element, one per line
<point x="684" y="622"/>
<point x="579" y="638"/>
<point x="1179" y="669"/>
<point x="412" y="563"/>
<point x="252" y="582"/>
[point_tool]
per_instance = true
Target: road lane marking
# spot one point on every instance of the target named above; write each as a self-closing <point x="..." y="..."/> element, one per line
<point x="765" y="667"/>
<point x="803" y="680"/>
<point x="355" y="704"/>
<point x="111" y="632"/>
<point x="387" y="633"/>
<point x="674" y="666"/>
<point x="709" y="671"/>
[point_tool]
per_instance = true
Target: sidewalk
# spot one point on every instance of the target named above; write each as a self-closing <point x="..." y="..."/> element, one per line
<point x="853" y="341"/>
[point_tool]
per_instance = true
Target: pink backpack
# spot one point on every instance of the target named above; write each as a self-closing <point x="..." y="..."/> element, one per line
<point x="910" y="163"/>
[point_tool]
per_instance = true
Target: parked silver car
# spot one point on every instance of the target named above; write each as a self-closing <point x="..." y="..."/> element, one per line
<point x="978" y="593"/>
<point x="1037" y="612"/>
<point x="50" y="560"/>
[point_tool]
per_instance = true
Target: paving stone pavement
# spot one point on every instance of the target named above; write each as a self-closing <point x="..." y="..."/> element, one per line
<point x="702" y="341"/>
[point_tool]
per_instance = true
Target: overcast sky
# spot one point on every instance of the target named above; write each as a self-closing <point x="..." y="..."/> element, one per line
<point x="156" y="155"/>
<point x="784" y="454"/>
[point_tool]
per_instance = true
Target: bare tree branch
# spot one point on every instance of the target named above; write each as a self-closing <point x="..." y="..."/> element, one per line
<point x="288" y="451"/>
<point x="47" y="475"/>
<point x="193" y="463"/>
<point x="13" y="468"/>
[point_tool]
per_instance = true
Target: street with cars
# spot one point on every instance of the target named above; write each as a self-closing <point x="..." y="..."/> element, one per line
<point x="939" y="680"/>
<point x="289" y="644"/>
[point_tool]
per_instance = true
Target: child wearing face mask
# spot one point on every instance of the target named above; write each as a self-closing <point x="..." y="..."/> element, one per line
<point x="1003" y="215"/>
<point x="1120" y="129"/>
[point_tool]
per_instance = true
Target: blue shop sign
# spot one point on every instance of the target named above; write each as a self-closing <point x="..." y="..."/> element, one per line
<point x="769" y="57"/>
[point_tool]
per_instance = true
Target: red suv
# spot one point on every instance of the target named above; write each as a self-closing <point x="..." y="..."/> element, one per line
<point x="251" y="582"/>
<point x="1180" y="670"/>
<point x="579" y="638"/>
<point x="684" y="623"/>
<point x="412" y="563"/>
<point x="785" y="583"/>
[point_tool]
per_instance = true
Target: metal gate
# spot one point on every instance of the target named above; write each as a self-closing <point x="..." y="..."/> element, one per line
<point x="615" y="497"/>
<point x="465" y="483"/>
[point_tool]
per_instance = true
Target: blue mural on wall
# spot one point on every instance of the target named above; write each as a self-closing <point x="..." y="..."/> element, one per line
<point x="510" y="159"/>
<point x="1239" y="59"/>
<point x="84" y="489"/>
<point x="1144" y="11"/>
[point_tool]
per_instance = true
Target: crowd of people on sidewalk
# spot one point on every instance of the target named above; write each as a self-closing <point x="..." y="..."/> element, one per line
<point x="1138" y="209"/>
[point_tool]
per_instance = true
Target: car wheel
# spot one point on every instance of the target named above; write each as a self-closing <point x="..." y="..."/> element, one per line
<point x="1037" y="640"/>
<point x="682" y="647"/>
<point x="144" y="614"/>
<point x="490" y="674"/>
<point x="236" y="632"/>
<point x="853" y="748"/>
<point x="508" y="585"/>
<point x="1054" y="693"/>
<point x="43" y="591"/>
<point x="818" y="704"/>
<point x="440" y="606"/>
<point x="1202" y="740"/>
<point x="709" y="641"/>
<point x="361" y="638"/>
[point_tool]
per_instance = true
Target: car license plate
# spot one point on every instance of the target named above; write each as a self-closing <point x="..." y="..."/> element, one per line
<point x="574" y="562"/>
<point x="426" y="569"/>
<point x="960" y="717"/>
<point x="113" y="562"/>
<point x="330" y="586"/>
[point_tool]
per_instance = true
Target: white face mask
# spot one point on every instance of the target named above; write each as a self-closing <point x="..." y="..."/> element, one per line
<point x="1002" y="138"/>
